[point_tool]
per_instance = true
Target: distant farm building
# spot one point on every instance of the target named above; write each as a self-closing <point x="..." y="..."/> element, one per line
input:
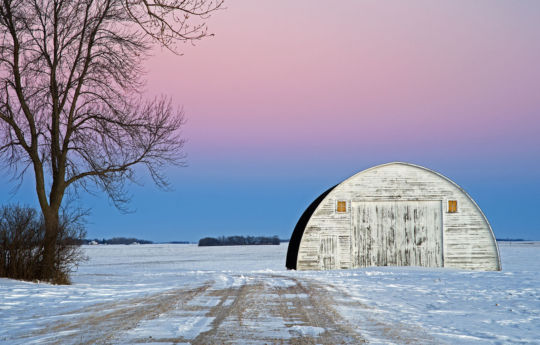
<point x="395" y="214"/>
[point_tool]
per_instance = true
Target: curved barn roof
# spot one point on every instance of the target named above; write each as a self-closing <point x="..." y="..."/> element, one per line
<point x="296" y="238"/>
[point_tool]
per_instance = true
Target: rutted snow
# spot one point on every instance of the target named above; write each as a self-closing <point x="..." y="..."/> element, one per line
<point x="308" y="330"/>
<point x="204" y="301"/>
<point x="381" y="304"/>
<point x="172" y="326"/>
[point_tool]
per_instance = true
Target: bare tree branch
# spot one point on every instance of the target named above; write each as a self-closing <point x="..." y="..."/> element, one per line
<point x="70" y="83"/>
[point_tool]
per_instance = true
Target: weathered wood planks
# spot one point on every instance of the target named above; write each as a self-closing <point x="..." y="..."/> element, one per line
<point x="406" y="233"/>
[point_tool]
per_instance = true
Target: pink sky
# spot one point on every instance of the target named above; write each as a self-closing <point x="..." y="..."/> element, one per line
<point x="307" y="77"/>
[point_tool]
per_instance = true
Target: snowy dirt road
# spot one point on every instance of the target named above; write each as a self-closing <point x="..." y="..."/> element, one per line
<point x="264" y="309"/>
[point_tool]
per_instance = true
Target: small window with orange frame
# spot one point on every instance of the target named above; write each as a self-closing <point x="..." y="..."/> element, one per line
<point x="452" y="206"/>
<point x="341" y="206"/>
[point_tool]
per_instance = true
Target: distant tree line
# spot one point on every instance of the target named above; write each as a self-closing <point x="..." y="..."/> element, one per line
<point x="117" y="240"/>
<point x="238" y="241"/>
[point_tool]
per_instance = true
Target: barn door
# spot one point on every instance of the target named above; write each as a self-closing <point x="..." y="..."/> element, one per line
<point x="328" y="252"/>
<point x="397" y="233"/>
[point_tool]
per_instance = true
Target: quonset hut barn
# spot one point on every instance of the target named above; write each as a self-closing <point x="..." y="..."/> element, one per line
<point x="395" y="214"/>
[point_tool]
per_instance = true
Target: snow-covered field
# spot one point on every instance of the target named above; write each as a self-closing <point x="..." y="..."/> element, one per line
<point x="179" y="294"/>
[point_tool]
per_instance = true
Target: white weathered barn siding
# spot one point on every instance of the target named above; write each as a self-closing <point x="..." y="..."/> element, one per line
<point x="397" y="215"/>
<point x="396" y="233"/>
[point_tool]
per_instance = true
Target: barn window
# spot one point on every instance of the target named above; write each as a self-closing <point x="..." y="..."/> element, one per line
<point x="452" y="206"/>
<point x="342" y="206"/>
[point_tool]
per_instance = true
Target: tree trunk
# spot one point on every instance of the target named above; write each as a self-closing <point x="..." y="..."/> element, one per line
<point x="48" y="264"/>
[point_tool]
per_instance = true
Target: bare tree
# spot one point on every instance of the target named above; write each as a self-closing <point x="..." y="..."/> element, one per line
<point x="70" y="103"/>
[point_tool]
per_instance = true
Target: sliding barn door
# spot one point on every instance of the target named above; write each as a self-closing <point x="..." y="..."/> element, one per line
<point x="397" y="233"/>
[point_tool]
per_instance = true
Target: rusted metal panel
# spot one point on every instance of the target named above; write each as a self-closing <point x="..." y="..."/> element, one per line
<point x="400" y="234"/>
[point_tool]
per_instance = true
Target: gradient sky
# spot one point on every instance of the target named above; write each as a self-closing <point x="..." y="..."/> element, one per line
<point x="292" y="97"/>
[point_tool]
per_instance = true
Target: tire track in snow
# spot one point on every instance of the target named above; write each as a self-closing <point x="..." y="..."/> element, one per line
<point x="101" y="322"/>
<point x="276" y="310"/>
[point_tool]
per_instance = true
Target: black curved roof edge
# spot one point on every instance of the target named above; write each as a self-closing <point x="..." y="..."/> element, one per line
<point x="296" y="237"/>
